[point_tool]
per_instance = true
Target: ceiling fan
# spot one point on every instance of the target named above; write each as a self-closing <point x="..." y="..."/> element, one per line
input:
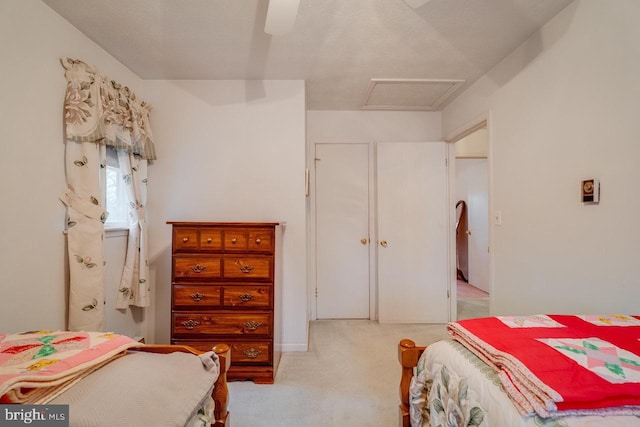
<point x="416" y="3"/>
<point x="281" y="15"/>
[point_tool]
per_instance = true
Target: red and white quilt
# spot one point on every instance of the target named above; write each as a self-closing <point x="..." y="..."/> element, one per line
<point x="556" y="365"/>
<point x="35" y="367"/>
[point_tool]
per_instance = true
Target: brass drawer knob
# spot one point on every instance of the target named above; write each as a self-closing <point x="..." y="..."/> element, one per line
<point x="185" y="239"/>
<point x="209" y="240"/>
<point x="197" y="296"/>
<point x="190" y="324"/>
<point x="252" y="353"/>
<point x="258" y="241"/>
<point x="234" y="240"/>
<point x="245" y="297"/>
<point x="198" y="268"/>
<point x="252" y="325"/>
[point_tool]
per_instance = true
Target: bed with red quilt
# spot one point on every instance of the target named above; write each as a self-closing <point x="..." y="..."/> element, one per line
<point x="541" y="370"/>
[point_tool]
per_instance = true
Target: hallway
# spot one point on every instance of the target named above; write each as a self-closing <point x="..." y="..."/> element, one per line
<point x="472" y="302"/>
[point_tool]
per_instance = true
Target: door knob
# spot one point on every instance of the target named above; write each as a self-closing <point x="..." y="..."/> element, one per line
<point x="468" y="232"/>
<point x="383" y="243"/>
<point x="364" y="240"/>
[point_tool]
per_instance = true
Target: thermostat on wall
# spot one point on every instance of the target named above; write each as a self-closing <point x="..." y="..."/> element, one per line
<point x="590" y="191"/>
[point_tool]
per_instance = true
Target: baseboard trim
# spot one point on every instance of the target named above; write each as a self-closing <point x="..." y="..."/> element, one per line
<point x="284" y="347"/>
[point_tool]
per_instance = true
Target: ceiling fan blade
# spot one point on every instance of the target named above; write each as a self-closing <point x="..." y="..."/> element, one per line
<point x="281" y="15"/>
<point x="416" y="3"/>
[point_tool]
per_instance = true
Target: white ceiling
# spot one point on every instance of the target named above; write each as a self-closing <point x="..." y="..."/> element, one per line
<point x="337" y="46"/>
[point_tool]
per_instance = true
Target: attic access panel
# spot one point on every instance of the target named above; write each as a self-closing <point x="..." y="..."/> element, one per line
<point x="409" y="94"/>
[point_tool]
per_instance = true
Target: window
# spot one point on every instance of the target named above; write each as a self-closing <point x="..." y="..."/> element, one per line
<point x="116" y="196"/>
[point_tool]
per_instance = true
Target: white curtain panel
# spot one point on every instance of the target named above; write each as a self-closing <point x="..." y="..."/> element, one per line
<point x="85" y="235"/>
<point x="134" y="285"/>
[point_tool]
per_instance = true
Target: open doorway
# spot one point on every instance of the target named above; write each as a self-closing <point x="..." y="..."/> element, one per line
<point x="472" y="224"/>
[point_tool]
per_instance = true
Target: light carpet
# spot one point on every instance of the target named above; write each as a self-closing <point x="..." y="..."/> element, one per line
<point x="348" y="378"/>
<point x="472" y="308"/>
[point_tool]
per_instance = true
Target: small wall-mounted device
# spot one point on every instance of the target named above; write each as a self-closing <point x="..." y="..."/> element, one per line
<point x="590" y="191"/>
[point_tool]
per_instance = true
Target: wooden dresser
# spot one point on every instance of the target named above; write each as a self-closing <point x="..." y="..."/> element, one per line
<point x="223" y="291"/>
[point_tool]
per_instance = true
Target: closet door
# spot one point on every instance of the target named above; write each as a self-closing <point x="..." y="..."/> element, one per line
<point x="342" y="231"/>
<point x="413" y="221"/>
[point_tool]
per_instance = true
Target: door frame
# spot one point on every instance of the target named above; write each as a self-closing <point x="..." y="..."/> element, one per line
<point x="311" y="245"/>
<point x="482" y="121"/>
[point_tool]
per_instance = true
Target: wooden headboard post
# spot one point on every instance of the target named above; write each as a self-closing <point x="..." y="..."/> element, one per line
<point x="408" y="355"/>
<point x="221" y="392"/>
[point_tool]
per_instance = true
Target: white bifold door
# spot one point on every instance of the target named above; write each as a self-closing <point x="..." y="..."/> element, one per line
<point x="411" y="216"/>
<point x="413" y="232"/>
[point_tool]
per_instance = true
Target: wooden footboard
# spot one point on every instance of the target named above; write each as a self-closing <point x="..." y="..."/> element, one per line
<point x="408" y="355"/>
<point x="220" y="392"/>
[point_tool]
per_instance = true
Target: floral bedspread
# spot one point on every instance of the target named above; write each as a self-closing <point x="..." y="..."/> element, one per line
<point x="452" y="387"/>
<point x="35" y="367"/>
<point x="440" y="398"/>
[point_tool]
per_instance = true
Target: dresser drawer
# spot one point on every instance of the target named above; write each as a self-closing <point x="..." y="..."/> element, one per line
<point x="235" y="239"/>
<point x="251" y="352"/>
<point x="214" y="323"/>
<point x="260" y="240"/>
<point x="242" y="267"/>
<point x="241" y="351"/>
<point x="189" y="296"/>
<point x="247" y="296"/>
<point x="185" y="239"/>
<point x="197" y="267"/>
<point x="210" y="239"/>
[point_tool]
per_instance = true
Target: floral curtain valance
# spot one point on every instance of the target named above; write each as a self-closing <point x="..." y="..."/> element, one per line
<point x="99" y="113"/>
<point x="100" y="110"/>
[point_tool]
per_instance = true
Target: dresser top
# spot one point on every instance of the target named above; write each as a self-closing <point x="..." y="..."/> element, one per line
<point x="223" y="224"/>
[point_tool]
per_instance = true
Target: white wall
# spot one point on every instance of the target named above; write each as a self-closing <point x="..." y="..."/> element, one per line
<point x="33" y="38"/>
<point x="230" y="151"/>
<point x="372" y="126"/>
<point x="562" y="108"/>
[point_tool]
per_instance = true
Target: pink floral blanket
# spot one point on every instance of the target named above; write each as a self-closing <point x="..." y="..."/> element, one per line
<point x="35" y="367"/>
